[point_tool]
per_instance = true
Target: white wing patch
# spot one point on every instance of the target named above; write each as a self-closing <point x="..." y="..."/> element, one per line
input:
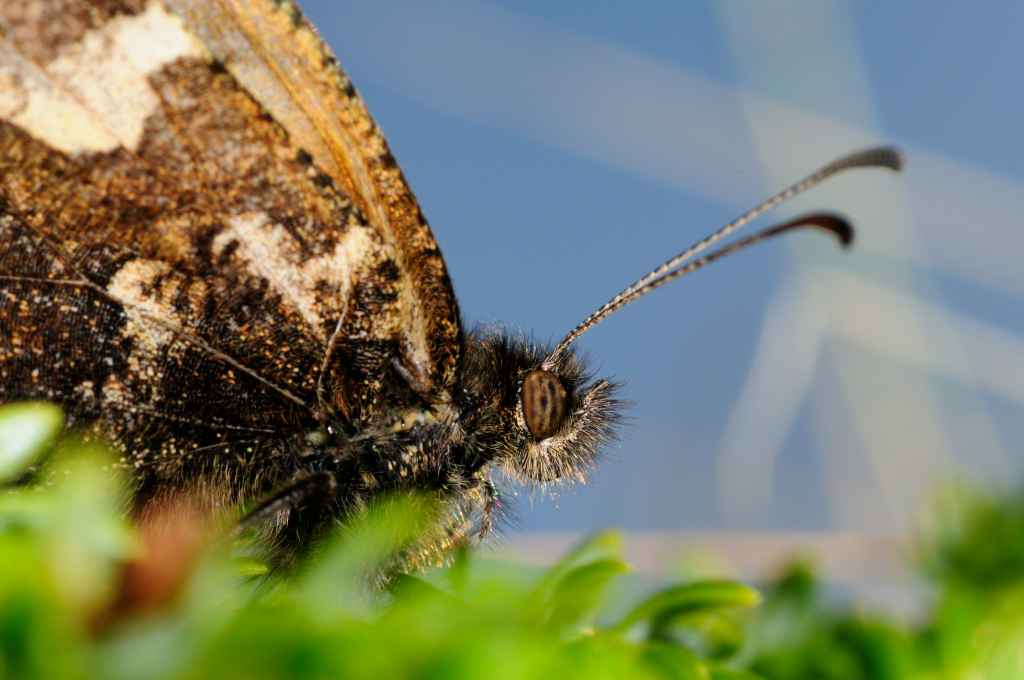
<point x="95" y="96"/>
<point x="141" y="306"/>
<point x="270" y="252"/>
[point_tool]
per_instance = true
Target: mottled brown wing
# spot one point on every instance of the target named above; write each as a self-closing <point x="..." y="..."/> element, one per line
<point x="279" y="58"/>
<point x="204" y="242"/>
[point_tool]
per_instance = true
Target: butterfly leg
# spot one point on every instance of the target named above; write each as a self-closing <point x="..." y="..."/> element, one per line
<point x="491" y="507"/>
<point x="278" y="511"/>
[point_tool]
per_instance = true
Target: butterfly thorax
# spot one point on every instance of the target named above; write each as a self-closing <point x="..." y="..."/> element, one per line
<point x="457" y="448"/>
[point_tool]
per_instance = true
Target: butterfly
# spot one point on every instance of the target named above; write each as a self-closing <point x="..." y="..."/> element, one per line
<point x="210" y="258"/>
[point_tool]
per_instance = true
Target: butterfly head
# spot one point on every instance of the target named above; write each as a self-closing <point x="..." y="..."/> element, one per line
<point x="538" y="421"/>
<point x="537" y="412"/>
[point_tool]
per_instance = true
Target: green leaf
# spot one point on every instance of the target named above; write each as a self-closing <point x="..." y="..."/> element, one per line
<point x="251" y="568"/>
<point x="605" y="545"/>
<point x="579" y="594"/>
<point x="675" y="661"/>
<point x="713" y="634"/>
<point x="725" y="673"/>
<point x="687" y="598"/>
<point x="27" y="430"/>
<point x="343" y="577"/>
<point x="38" y="639"/>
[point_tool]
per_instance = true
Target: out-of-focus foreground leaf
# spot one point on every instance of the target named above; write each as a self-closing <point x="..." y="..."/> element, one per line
<point x="27" y="431"/>
<point x="69" y="559"/>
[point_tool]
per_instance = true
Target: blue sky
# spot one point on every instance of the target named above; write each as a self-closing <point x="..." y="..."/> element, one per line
<point x="560" y="150"/>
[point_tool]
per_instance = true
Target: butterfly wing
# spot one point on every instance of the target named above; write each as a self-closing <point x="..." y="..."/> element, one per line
<point x="279" y="58"/>
<point x="205" y="245"/>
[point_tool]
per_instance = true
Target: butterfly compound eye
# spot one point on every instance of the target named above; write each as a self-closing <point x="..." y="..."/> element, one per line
<point x="544" y="403"/>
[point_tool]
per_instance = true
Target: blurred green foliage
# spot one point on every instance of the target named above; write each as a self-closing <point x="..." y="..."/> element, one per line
<point x="64" y="544"/>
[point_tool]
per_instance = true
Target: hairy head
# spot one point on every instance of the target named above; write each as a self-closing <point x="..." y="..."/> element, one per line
<point x="539" y="423"/>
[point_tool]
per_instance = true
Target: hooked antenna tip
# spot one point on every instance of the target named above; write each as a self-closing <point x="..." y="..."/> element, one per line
<point x="844" y="232"/>
<point x="839" y="226"/>
<point x="835" y="225"/>
<point x="878" y="157"/>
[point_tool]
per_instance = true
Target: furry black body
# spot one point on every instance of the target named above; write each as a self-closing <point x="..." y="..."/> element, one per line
<point x="450" y="452"/>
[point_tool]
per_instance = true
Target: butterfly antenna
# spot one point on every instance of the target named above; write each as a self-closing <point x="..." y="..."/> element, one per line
<point x="674" y="268"/>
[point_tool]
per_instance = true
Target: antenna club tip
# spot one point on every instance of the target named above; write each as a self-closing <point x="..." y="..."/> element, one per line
<point x="881" y="157"/>
<point x="892" y="158"/>
<point x="838" y="225"/>
<point x="878" y="157"/>
<point x="845" y="236"/>
<point x="830" y="223"/>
